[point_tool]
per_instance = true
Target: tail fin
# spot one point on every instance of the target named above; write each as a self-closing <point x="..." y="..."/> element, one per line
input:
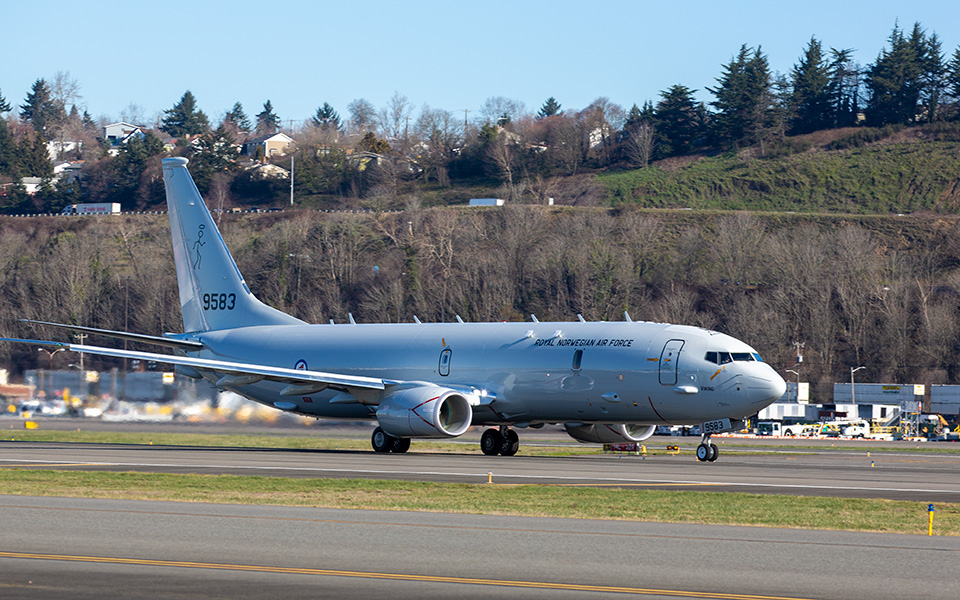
<point x="213" y="294"/>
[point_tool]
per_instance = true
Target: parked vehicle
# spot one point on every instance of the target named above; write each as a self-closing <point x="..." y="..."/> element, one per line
<point x="101" y="208"/>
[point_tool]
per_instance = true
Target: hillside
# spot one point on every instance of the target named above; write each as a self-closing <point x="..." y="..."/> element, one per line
<point x="858" y="171"/>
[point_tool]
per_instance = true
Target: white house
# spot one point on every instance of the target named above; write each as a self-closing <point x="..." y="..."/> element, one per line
<point x="119" y="133"/>
<point x="275" y="144"/>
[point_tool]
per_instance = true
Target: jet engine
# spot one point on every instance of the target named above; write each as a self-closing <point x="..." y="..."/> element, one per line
<point x="610" y="434"/>
<point x="426" y="411"/>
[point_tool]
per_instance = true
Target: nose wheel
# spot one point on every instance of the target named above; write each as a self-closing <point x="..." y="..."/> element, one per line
<point x="707" y="452"/>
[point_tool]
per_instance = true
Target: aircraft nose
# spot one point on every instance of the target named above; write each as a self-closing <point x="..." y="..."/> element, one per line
<point x="778" y="387"/>
<point x="766" y="389"/>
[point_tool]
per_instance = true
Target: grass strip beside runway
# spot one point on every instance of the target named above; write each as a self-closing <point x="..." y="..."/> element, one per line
<point x="316" y="442"/>
<point x="280" y="441"/>
<point x="521" y="500"/>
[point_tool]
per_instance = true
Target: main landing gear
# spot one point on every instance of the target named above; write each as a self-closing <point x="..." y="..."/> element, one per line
<point x="503" y="441"/>
<point x="384" y="442"/>
<point x="707" y="452"/>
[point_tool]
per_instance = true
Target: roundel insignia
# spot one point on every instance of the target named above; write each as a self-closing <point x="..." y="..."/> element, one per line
<point x="301" y="365"/>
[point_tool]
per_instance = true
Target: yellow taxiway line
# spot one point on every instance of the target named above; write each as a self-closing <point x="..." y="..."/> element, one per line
<point x="543" y="585"/>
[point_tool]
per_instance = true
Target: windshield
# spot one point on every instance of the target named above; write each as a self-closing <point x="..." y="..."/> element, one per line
<point x="722" y="358"/>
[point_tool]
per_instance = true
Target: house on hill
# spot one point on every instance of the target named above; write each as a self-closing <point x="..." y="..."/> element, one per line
<point x="117" y="134"/>
<point x="274" y="144"/>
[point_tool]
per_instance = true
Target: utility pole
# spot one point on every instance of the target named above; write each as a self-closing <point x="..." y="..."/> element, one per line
<point x="799" y="347"/>
<point x="291" y="179"/>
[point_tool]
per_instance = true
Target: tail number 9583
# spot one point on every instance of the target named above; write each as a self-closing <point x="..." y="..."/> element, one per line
<point x="219" y="301"/>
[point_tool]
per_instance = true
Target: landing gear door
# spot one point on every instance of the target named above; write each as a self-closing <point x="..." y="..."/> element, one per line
<point x="670" y="361"/>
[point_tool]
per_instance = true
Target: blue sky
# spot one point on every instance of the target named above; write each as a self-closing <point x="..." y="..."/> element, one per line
<point x="450" y="55"/>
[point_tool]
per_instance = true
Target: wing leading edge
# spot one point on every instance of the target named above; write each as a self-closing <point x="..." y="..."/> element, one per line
<point x="257" y="372"/>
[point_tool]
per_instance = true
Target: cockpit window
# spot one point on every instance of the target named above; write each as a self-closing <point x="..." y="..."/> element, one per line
<point x="722" y="358"/>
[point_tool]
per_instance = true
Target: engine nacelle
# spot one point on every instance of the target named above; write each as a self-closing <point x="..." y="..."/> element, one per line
<point x="426" y="411"/>
<point x="610" y="434"/>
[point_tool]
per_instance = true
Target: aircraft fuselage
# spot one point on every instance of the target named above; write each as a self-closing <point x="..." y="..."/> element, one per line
<point x="635" y="372"/>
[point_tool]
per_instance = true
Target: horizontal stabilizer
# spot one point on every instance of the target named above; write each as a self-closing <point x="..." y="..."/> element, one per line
<point x="125" y="335"/>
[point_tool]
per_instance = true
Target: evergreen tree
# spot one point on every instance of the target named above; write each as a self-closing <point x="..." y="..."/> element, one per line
<point x="39" y="110"/>
<point x="743" y="99"/>
<point x="184" y="118"/>
<point x="238" y="118"/>
<point x="809" y="103"/>
<point x="33" y="160"/>
<point x="894" y="80"/>
<point x="550" y="108"/>
<point x="215" y="152"/>
<point x="127" y="169"/>
<point x="8" y="149"/>
<point x="4" y="105"/>
<point x="371" y="143"/>
<point x="87" y="121"/>
<point x="676" y="121"/>
<point x="844" y="88"/>
<point x="267" y="121"/>
<point x="953" y="78"/>
<point x="934" y="83"/>
<point x="326" y="118"/>
<point x="634" y="118"/>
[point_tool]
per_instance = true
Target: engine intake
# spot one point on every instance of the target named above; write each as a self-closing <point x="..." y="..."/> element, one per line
<point x="426" y="411"/>
<point x="610" y="434"/>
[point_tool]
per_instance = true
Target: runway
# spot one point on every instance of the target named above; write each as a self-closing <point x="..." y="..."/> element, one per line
<point x="87" y="548"/>
<point x="891" y="475"/>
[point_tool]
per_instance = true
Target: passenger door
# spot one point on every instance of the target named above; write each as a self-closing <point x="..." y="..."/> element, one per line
<point x="670" y="362"/>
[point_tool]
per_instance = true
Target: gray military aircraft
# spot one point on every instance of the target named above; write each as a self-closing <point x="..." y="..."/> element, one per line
<point x="604" y="381"/>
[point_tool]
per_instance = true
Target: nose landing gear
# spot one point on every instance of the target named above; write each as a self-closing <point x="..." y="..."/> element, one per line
<point x="707" y="452"/>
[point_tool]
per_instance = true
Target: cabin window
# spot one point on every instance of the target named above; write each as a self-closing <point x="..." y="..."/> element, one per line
<point x="577" y="359"/>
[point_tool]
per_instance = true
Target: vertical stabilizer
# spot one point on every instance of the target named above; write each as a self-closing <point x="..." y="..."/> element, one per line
<point x="213" y="294"/>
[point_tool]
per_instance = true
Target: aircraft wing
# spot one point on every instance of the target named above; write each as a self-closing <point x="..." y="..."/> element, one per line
<point x="221" y="367"/>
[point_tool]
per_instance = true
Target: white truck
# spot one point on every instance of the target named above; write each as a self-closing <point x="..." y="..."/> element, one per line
<point x="101" y="208"/>
<point x="778" y="429"/>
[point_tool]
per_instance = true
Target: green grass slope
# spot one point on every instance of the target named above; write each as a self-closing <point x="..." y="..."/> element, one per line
<point x="892" y="177"/>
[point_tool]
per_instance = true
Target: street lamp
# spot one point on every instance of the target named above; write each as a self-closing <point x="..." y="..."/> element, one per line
<point x="853" y="397"/>
<point x="49" y="368"/>
<point x="797" y="373"/>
